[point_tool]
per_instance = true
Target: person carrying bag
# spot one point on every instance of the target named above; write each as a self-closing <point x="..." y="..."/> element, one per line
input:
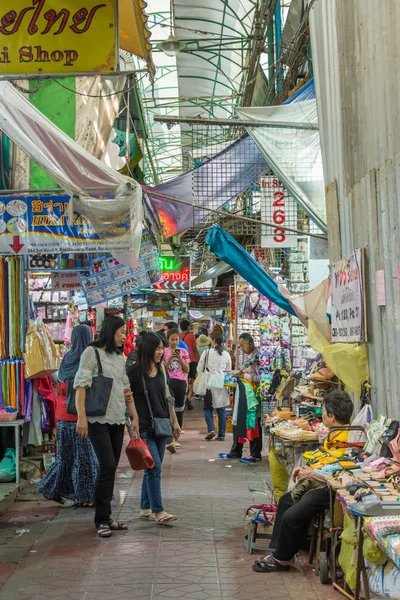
<point x="105" y="428"/>
<point x="157" y="421"/>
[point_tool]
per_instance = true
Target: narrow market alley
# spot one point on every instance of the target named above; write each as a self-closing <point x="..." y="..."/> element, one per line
<point x="47" y="552"/>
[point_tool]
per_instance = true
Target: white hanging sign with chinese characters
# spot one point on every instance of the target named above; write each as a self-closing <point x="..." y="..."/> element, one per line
<point x="348" y="299"/>
<point x="279" y="208"/>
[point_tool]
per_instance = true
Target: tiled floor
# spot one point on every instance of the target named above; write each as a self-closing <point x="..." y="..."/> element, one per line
<point x="51" y="553"/>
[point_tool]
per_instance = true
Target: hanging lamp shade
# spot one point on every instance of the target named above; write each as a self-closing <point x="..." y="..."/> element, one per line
<point x="171" y="46"/>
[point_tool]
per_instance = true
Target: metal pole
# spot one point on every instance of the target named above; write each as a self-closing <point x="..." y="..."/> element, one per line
<point x="278" y="38"/>
<point x="58" y="191"/>
<point x="234" y="122"/>
<point x="149" y="157"/>
<point x="61" y="75"/>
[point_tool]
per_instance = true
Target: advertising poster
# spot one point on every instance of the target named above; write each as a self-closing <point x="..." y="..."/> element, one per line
<point x="108" y="279"/>
<point x="39" y="224"/>
<point x="56" y="36"/>
<point x="348" y="300"/>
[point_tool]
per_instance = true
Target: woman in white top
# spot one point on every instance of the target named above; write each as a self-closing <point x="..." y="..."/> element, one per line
<point x="216" y="361"/>
<point x="106" y="433"/>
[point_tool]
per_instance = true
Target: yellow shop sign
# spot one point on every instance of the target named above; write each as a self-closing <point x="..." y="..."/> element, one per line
<point x="57" y="36"/>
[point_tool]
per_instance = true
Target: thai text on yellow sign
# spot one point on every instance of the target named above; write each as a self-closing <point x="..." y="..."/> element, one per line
<point x="57" y="36"/>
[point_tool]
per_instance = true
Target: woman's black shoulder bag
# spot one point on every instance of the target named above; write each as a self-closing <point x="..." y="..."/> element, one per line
<point x="161" y="426"/>
<point x="97" y="396"/>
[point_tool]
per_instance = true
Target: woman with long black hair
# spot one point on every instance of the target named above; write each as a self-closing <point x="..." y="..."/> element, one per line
<point x="106" y="433"/>
<point x="149" y="384"/>
<point x="216" y="361"/>
<point x="73" y="473"/>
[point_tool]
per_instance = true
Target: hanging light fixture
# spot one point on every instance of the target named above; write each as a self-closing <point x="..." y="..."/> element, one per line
<point x="171" y="46"/>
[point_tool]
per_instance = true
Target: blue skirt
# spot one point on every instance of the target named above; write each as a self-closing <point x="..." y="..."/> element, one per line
<point x="73" y="473"/>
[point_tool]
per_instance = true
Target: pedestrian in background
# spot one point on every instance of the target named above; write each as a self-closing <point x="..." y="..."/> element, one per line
<point x="189" y="338"/>
<point x="216" y="361"/>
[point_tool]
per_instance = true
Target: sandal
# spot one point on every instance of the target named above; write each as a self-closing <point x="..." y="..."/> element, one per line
<point x="116" y="526"/>
<point x="164" y="518"/>
<point x="269" y="565"/>
<point x="145" y="514"/>
<point x="103" y="531"/>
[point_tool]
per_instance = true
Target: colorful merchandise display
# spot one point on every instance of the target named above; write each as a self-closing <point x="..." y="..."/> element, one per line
<point x="12" y="333"/>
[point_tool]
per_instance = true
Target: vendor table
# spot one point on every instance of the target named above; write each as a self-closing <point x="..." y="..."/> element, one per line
<point x="16" y="424"/>
<point x="361" y="575"/>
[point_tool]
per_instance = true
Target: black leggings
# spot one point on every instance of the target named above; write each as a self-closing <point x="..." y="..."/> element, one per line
<point x="107" y="443"/>
<point x="293" y="520"/>
<point x="179" y="389"/>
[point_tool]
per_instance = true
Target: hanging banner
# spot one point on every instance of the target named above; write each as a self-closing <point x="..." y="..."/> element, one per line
<point x="159" y="302"/>
<point x="53" y="37"/>
<point x="348" y="299"/>
<point x="39" y="224"/>
<point x="211" y="302"/>
<point x="277" y="207"/>
<point x="108" y="279"/>
<point x="175" y="273"/>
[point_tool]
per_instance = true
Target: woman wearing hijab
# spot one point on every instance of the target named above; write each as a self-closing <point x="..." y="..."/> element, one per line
<point x="72" y="476"/>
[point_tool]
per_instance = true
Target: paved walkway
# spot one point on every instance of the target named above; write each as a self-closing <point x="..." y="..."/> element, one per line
<point x="48" y="553"/>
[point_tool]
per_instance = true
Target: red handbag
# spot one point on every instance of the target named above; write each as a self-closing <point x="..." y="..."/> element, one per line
<point x="139" y="455"/>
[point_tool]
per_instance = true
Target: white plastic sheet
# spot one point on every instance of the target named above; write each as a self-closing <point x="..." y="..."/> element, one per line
<point x="76" y="171"/>
<point x="294" y="154"/>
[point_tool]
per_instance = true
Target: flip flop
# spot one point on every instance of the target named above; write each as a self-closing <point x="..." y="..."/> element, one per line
<point x="145" y="514"/>
<point x="164" y="519"/>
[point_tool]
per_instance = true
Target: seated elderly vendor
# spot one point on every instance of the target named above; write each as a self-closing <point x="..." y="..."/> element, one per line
<point x="310" y="495"/>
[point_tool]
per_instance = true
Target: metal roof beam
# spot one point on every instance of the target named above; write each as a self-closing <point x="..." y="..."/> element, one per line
<point x="233" y="122"/>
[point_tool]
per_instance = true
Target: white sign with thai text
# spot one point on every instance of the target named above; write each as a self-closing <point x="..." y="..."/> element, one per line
<point x="347" y="299"/>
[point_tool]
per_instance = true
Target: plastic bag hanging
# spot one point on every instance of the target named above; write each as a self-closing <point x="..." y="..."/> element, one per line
<point x="118" y="220"/>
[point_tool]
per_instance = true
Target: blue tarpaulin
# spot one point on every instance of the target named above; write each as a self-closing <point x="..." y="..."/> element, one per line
<point x="227" y="248"/>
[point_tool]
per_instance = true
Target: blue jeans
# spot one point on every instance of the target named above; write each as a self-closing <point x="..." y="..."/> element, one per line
<point x="209" y="416"/>
<point x="151" y="486"/>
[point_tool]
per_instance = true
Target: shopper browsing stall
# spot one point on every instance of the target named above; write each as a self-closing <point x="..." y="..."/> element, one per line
<point x="177" y="364"/>
<point x="309" y="496"/>
<point x="72" y="475"/>
<point x="216" y="362"/>
<point x="246" y="417"/>
<point x="106" y="432"/>
<point x="149" y="386"/>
